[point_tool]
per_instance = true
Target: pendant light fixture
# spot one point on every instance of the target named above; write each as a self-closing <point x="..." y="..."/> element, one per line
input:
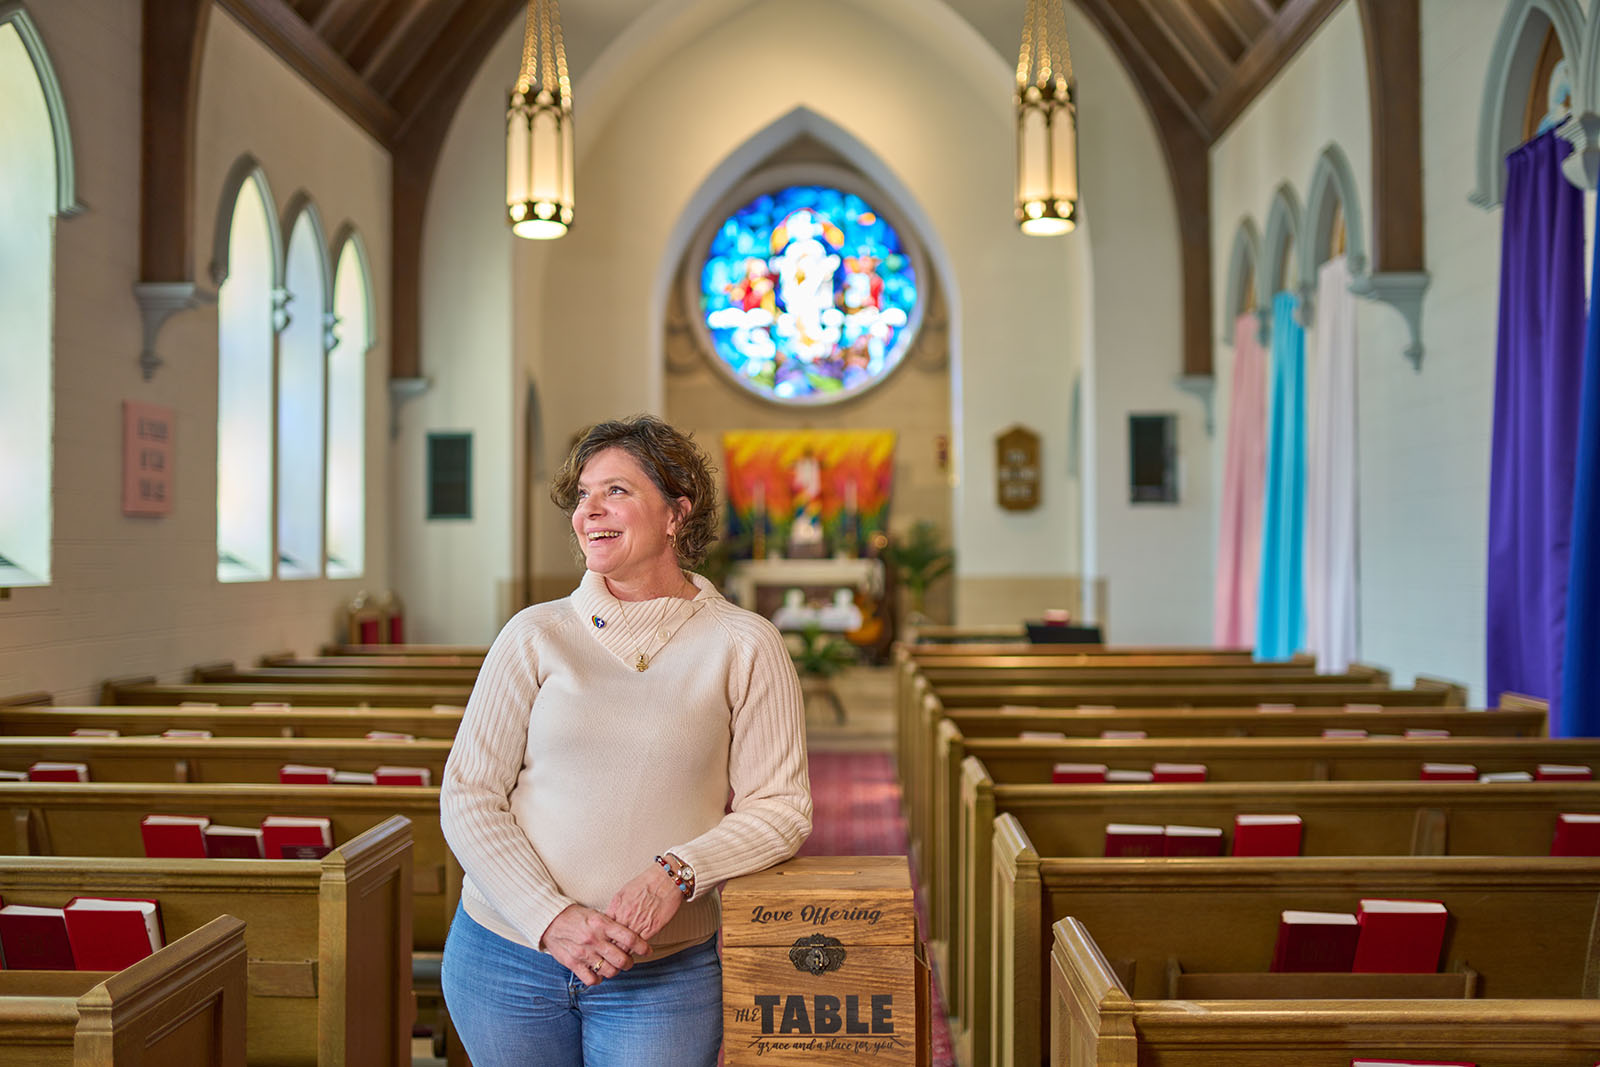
<point x="1047" y="124"/>
<point x="539" y="131"/>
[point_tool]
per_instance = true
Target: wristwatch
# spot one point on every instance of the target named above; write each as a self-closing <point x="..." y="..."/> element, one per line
<point x="683" y="874"/>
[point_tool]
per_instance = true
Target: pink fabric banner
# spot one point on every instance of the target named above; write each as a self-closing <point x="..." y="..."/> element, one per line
<point x="1243" y="482"/>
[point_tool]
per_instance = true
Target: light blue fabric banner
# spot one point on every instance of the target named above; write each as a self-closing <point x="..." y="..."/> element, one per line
<point x="1281" y="597"/>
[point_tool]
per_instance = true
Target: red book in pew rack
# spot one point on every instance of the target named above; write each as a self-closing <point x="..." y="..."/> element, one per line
<point x="354" y="778"/>
<point x="1267" y="835"/>
<point x="174" y="836"/>
<point x="1418" y="733"/>
<point x="109" y="934"/>
<point x="1339" y="733"/>
<point x="1192" y="841"/>
<point x="1126" y="839"/>
<point x="45" y="771"/>
<point x="402" y="776"/>
<point x="1448" y="772"/>
<point x="389" y="735"/>
<point x="300" y="774"/>
<point x="1577" y="834"/>
<point x="1321" y="942"/>
<point x="233" y="843"/>
<point x="13" y="776"/>
<point x="1078" y="773"/>
<point x="35" y="939"/>
<point x="1563" y="772"/>
<point x="1122" y="735"/>
<point x="1178" y="772"/>
<point x="1412" y="1063"/>
<point x="94" y="731"/>
<point x="1041" y="735"/>
<point x="186" y="735"/>
<point x="1400" y="936"/>
<point x="282" y="833"/>
<point x="1116" y="777"/>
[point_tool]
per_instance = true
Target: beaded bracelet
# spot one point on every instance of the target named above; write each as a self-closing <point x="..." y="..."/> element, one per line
<point x="683" y="887"/>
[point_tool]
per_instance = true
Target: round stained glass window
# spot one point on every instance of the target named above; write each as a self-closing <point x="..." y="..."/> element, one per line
<point x="808" y="294"/>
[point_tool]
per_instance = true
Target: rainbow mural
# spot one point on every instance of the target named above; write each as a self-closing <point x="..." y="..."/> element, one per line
<point x="838" y="479"/>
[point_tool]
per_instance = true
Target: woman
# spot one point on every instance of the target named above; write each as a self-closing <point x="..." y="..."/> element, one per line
<point x="587" y="792"/>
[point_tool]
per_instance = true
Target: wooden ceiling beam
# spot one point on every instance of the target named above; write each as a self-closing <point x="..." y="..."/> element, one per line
<point x="1247" y="17"/>
<point x="340" y="22"/>
<point x="1183" y="27"/>
<point x="1133" y="48"/>
<point x="1287" y="34"/>
<point x="421" y="137"/>
<point x="382" y="17"/>
<point x="1186" y="150"/>
<point x="407" y="42"/>
<point x="174" y="41"/>
<point x="283" y="31"/>
<point x="1229" y="36"/>
<point x="1392" y="29"/>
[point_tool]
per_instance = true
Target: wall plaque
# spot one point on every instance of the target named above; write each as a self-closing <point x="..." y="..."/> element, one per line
<point x="146" y="459"/>
<point x="1017" y="469"/>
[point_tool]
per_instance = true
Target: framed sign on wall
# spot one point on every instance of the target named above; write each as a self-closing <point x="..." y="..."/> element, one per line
<point x="1017" y="469"/>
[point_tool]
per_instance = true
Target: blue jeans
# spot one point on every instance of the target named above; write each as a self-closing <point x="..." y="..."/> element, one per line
<point x="513" y="1006"/>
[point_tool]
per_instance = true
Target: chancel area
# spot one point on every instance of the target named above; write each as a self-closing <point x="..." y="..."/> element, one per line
<point x="1163" y="436"/>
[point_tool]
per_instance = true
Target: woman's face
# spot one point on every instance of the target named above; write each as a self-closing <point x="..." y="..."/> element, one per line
<point x="623" y="522"/>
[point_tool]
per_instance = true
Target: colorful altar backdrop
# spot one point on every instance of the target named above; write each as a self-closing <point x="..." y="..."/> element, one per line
<point x="759" y="468"/>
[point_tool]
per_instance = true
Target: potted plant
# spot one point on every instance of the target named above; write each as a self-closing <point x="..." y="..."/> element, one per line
<point x="918" y="560"/>
<point x="817" y="658"/>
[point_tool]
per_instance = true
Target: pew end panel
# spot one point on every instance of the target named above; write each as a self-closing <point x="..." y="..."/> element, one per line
<point x="1091" y="1014"/>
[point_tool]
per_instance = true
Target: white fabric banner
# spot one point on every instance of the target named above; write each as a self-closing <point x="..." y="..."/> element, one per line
<point x="1331" y="474"/>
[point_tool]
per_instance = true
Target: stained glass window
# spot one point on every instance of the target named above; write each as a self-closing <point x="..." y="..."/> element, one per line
<point x="809" y="295"/>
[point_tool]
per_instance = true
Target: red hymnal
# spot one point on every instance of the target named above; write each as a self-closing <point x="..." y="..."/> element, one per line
<point x="1122" y="735"/>
<point x="94" y="731"/>
<point x="35" y="939"/>
<point x="1412" y="1063"/>
<point x="1078" y="772"/>
<point x="280" y="833"/>
<point x="1342" y="734"/>
<point x="1400" y="936"/>
<point x="1419" y="734"/>
<point x="46" y="771"/>
<point x="354" y="778"/>
<point x="186" y="735"/>
<point x="110" y="934"/>
<point x="1178" y="772"/>
<point x="1267" y="835"/>
<point x="233" y="843"/>
<point x="1318" y="941"/>
<point x="13" y="776"/>
<point x="1124" y="839"/>
<point x="388" y="735"/>
<point x="1041" y="735"/>
<point x="1506" y="776"/>
<point x="1129" y="776"/>
<point x="1577" y="834"/>
<point x="1449" y="772"/>
<point x="1563" y="772"/>
<point x="1192" y="841"/>
<point x="300" y="774"/>
<point x="402" y="776"/>
<point x="174" y="836"/>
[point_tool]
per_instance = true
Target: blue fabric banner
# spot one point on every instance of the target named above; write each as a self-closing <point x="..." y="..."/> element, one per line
<point x="1538" y="381"/>
<point x="1280" y="599"/>
<point x="1580" y="669"/>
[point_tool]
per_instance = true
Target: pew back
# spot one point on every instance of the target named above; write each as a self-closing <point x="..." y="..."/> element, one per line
<point x="47" y="721"/>
<point x="218" y="760"/>
<point x="146" y="692"/>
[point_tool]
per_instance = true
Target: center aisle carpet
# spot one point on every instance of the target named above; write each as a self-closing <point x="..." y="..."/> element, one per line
<point x="855" y="800"/>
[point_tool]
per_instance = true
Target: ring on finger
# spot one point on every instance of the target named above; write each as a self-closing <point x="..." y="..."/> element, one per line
<point x="596" y="965"/>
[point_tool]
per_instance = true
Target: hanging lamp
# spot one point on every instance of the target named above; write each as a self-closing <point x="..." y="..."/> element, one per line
<point x="539" y="131"/>
<point x="1047" y="124"/>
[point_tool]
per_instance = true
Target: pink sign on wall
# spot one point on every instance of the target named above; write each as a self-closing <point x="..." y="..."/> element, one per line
<point x="146" y="459"/>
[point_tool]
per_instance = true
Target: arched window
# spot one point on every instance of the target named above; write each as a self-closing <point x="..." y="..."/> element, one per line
<point x="347" y="410"/>
<point x="302" y="359"/>
<point x="245" y="314"/>
<point x="1276" y="272"/>
<point x="1241" y="296"/>
<point x="1529" y="85"/>
<point x="35" y="185"/>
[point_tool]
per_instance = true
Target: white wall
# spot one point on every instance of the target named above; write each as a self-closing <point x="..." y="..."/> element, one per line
<point x="141" y="595"/>
<point x="1424" y="437"/>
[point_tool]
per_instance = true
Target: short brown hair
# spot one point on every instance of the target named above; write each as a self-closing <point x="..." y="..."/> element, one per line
<point x="673" y="461"/>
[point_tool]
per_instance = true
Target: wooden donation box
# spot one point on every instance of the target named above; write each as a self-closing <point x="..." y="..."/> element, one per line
<point x="821" y="965"/>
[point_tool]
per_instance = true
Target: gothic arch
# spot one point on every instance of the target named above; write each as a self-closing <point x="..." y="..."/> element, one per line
<point x="1511" y="65"/>
<point x="15" y="15"/>
<point x="1333" y="187"/>
<point x="1283" y="236"/>
<point x="244" y="169"/>
<point x="349" y="235"/>
<point x="302" y="204"/>
<point x="1243" y="270"/>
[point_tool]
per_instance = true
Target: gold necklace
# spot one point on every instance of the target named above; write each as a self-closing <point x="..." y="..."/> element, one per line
<point x="643" y="662"/>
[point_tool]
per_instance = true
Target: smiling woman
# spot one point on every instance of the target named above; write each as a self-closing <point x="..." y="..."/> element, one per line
<point x="586" y="793"/>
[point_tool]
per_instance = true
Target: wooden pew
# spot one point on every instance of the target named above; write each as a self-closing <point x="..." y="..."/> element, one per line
<point x="182" y="1005"/>
<point x="1144" y="670"/>
<point x="1096" y="1022"/>
<point x="442" y="651"/>
<point x="218" y="760"/>
<point x="1348" y="817"/>
<point x="329" y="941"/>
<point x="100" y="819"/>
<point x="146" y="691"/>
<point x="289" y="659"/>
<point x="21" y="700"/>
<point x="47" y="721"/>
<point x="297" y="674"/>
<point x="1427" y="693"/>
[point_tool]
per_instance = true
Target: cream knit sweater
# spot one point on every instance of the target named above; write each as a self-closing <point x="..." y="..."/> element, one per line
<point x="572" y="770"/>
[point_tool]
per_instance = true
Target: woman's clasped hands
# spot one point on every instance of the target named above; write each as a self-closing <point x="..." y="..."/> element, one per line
<point x="598" y="945"/>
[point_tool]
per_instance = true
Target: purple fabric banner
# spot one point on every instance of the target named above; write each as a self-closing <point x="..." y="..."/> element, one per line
<point x="1538" y="377"/>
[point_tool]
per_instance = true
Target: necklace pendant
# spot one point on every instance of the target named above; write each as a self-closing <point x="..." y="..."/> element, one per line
<point x="644" y="662"/>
